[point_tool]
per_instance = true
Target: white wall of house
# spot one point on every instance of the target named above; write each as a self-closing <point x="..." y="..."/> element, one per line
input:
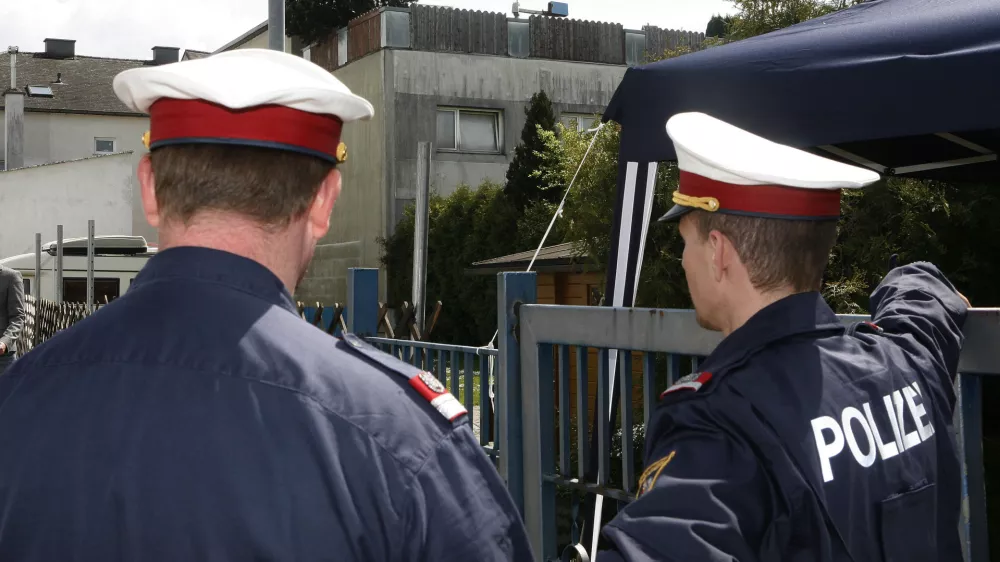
<point x="37" y="199"/>
<point x="58" y="137"/>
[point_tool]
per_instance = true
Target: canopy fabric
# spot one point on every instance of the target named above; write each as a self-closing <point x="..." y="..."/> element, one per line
<point x="879" y="80"/>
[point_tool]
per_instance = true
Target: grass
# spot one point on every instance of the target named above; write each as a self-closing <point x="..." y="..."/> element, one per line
<point x="460" y="391"/>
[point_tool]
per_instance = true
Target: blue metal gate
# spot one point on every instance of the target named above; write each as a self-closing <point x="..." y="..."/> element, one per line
<point x="533" y="433"/>
<point x="673" y="338"/>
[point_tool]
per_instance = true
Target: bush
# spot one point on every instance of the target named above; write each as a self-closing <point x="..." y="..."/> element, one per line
<point x="466" y="227"/>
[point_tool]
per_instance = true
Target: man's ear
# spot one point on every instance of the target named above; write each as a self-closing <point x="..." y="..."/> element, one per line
<point x="717" y="243"/>
<point x="147" y="191"/>
<point x="318" y="214"/>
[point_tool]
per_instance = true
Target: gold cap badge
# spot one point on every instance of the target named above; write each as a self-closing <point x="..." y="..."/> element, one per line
<point x="341" y="152"/>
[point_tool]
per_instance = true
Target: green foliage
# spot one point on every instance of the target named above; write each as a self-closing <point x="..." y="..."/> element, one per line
<point x="465" y="227"/>
<point x="588" y="216"/>
<point x="312" y="20"/>
<point x="757" y="17"/>
<point x="718" y="26"/>
<point x="523" y="186"/>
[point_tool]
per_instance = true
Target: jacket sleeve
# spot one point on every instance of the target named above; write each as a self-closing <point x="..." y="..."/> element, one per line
<point x="701" y="497"/>
<point x="461" y="508"/>
<point x="917" y="305"/>
<point x="15" y="311"/>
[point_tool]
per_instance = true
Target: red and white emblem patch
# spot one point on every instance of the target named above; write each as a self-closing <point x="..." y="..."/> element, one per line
<point x="443" y="401"/>
<point x="694" y="382"/>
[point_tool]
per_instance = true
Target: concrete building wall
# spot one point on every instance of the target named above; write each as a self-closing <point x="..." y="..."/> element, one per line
<point x="58" y="137"/>
<point x="423" y="81"/>
<point x="359" y="215"/>
<point x="39" y="198"/>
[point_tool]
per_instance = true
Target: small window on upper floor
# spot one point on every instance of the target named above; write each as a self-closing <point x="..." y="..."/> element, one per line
<point x="518" y="39"/>
<point x="469" y="130"/>
<point x="579" y="121"/>
<point x="635" y="47"/>
<point x="104" y="145"/>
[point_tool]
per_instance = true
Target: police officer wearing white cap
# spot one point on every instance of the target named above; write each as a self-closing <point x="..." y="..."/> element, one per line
<point x="799" y="438"/>
<point x="198" y="417"/>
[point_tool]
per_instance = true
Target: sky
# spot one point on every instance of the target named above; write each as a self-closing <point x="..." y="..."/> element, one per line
<point x="130" y="28"/>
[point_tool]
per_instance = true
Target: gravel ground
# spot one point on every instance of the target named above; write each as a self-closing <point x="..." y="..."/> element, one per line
<point x="475" y="420"/>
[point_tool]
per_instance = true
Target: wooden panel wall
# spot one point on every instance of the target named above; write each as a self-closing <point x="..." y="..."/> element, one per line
<point x="437" y="28"/>
<point x="364" y="35"/>
<point x="577" y="40"/>
<point x="324" y="52"/>
<point x="660" y="40"/>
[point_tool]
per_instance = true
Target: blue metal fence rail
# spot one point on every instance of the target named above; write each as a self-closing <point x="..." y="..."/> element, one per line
<point x="673" y="339"/>
<point x="533" y="435"/>
<point x="457" y="367"/>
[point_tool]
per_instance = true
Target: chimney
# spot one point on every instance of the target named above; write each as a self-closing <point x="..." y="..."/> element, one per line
<point x="165" y="55"/>
<point x="13" y="100"/>
<point x="60" y="48"/>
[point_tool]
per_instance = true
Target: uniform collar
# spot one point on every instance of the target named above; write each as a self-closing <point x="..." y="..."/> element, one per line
<point x="801" y="313"/>
<point x="216" y="266"/>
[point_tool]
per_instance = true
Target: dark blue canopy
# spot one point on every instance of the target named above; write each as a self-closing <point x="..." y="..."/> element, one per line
<point x="879" y="82"/>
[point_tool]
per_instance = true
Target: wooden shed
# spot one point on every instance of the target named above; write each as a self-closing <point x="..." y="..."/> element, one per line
<point x="565" y="277"/>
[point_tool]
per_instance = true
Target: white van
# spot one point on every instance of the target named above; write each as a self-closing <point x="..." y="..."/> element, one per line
<point x="117" y="260"/>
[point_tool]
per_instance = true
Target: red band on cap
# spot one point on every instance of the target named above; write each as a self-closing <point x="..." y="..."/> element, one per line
<point x="764" y="199"/>
<point x="174" y="119"/>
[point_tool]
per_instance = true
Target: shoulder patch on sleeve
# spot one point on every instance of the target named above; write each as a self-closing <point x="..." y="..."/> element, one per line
<point x="652" y="472"/>
<point x="423" y="382"/>
<point x="692" y="382"/>
<point x="865" y="326"/>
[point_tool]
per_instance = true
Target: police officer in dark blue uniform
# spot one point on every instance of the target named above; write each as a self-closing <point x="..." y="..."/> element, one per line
<point x="198" y="418"/>
<point x="799" y="439"/>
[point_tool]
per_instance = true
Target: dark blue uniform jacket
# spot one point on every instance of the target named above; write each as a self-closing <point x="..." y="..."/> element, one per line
<point x="802" y="441"/>
<point x="198" y="418"/>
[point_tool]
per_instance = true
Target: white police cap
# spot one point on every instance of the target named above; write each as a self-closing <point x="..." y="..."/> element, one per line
<point x="254" y="97"/>
<point x="726" y="169"/>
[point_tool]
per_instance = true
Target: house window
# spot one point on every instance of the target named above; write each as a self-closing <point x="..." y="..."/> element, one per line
<point x="579" y="121"/>
<point x="75" y="289"/>
<point x="635" y="47"/>
<point x="104" y="146"/>
<point x="518" y="39"/>
<point x="469" y="130"/>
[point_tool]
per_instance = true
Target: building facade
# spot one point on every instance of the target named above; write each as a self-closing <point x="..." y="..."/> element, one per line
<point x="460" y="80"/>
<point x="71" y="113"/>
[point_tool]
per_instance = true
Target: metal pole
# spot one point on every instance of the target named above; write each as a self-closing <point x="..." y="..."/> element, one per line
<point x="36" y="291"/>
<point x="362" y="301"/>
<point x="513" y="290"/>
<point x="420" y="231"/>
<point x="276" y="25"/>
<point x="90" y="265"/>
<point x="59" y="264"/>
<point x="12" y="51"/>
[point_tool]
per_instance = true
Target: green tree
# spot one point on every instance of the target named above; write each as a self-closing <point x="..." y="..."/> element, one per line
<point x="757" y="17"/>
<point x="718" y="26"/>
<point x="312" y="20"/>
<point x="522" y="187"/>
<point x="464" y="227"/>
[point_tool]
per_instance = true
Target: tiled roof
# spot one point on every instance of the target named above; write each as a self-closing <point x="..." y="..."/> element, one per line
<point x="257" y="30"/>
<point x="566" y="256"/>
<point x="191" y="54"/>
<point x="86" y="86"/>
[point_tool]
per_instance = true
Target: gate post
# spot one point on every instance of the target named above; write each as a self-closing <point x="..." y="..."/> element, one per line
<point x="362" y="301"/>
<point x="513" y="290"/>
